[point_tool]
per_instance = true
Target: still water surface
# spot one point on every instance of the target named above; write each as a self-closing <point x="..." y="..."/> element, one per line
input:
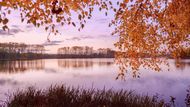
<point x="97" y="73"/>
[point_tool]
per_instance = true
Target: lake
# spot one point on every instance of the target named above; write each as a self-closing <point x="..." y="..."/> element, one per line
<point x="96" y="73"/>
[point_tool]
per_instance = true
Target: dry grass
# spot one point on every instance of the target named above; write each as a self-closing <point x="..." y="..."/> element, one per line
<point x="61" y="96"/>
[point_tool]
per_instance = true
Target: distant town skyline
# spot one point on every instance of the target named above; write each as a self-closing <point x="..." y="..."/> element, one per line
<point x="96" y="33"/>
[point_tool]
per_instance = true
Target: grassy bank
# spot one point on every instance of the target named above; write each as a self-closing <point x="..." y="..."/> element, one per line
<point x="61" y="96"/>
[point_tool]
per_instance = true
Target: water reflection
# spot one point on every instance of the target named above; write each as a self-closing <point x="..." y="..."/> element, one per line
<point x="21" y="66"/>
<point x="102" y="73"/>
<point x="187" y="99"/>
<point x="182" y="64"/>
<point x="82" y="63"/>
<point x="8" y="81"/>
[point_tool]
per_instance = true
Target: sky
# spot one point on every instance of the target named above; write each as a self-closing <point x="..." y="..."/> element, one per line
<point x="96" y="33"/>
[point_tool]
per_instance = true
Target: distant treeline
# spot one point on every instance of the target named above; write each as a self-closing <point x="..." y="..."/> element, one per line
<point x="16" y="51"/>
<point x="11" y="51"/>
<point x="85" y="52"/>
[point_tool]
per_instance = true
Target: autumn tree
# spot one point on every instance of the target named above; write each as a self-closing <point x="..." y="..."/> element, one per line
<point x="150" y="28"/>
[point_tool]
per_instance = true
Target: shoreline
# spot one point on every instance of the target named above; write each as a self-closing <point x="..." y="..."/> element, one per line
<point x="42" y="58"/>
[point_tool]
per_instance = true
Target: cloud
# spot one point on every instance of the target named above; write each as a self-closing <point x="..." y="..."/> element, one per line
<point x="74" y="39"/>
<point x="12" y="31"/>
<point x="102" y="20"/>
<point x="15" y="26"/>
<point x="82" y="37"/>
<point x="25" y="28"/>
<point x="103" y="36"/>
<point x="51" y="43"/>
<point x="29" y="26"/>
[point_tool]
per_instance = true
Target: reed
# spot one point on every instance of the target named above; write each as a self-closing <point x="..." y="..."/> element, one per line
<point x="62" y="96"/>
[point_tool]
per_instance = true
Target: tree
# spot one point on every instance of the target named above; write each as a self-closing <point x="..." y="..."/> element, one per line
<point x="146" y="27"/>
<point x="153" y="27"/>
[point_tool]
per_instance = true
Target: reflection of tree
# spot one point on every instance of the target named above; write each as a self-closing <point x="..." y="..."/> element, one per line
<point x="81" y="63"/>
<point x="21" y="66"/>
<point x="185" y="52"/>
<point x="181" y="64"/>
<point x="105" y="63"/>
